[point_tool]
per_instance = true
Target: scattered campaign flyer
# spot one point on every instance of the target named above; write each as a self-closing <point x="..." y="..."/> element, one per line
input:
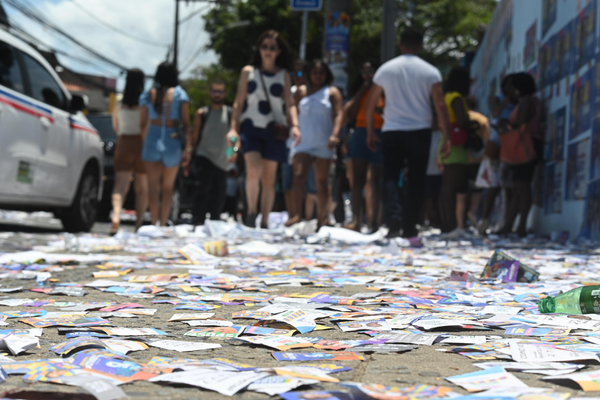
<point x="339" y="356"/>
<point x="261" y="330"/>
<point x="491" y="378"/>
<point x="209" y="322"/>
<point x="225" y="382"/>
<point x="298" y="319"/>
<point x="116" y="331"/>
<point x="275" y="384"/>
<point x="411" y="338"/>
<point x="500" y="262"/>
<point x="182" y="346"/>
<point x="226" y="332"/>
<point x="589" y="381"/>
<point x="67" y="320"/>
<point x="382" y="392"/>
<point x="544" y="353"/>
<point x="376" y="324"/>
<point x="278" y="342"/>
<point x="187" y="317"/>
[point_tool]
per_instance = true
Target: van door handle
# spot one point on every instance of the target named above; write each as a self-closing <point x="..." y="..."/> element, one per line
<point x="45" y="122"/>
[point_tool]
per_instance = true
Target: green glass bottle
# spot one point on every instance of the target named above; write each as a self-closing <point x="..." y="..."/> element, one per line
<point x="582" y="300"/>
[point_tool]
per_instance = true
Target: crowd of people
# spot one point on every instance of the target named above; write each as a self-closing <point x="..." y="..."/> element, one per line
<point x="406" y="149"/>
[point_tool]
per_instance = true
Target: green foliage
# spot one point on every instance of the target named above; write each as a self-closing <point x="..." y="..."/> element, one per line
<point x="198" y="85"/>
<point x="452" y="27"/>
<point x="235" y="45"/>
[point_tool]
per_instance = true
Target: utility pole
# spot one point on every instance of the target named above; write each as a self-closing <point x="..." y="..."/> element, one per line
<point x="304" y="35"/>
<point x="388" y="33"/>
<point x="176" y="38"/>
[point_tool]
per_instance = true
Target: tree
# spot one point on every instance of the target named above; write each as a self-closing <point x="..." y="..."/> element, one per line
<point x="235" y="45"/>
<point x="198" y="85"/>
<point x="451" y="27"/>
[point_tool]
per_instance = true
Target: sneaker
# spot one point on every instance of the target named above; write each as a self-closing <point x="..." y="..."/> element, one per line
<point x="393" y="233"/>
<point x="483" y="226"/>
<point x="458" y="233"/>
<point x="472" y="220"/>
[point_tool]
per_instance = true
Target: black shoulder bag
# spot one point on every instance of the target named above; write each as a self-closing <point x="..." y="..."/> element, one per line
<point x="278" y="130"/>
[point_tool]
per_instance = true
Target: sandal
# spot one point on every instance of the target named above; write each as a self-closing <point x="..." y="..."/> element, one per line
<point x="114" y="228"/>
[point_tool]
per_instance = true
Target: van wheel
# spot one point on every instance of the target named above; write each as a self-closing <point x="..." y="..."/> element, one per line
<point x="81" y="215"/>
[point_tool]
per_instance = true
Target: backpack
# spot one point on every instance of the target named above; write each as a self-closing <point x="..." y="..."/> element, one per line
<point x="204" y="117"/>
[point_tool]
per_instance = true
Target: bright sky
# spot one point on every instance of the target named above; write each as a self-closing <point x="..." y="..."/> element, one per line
<point x="149" y="19"/>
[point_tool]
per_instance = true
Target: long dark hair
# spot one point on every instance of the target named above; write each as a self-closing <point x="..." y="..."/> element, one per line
<point x="166" y="77"/>
<point x="358" y="82"/>
<point x="283" y="60"/>
<point x="525" y="83"/>
<point x="134" y="86"/>
<point x="318" y="63"/>
<point x="459" y="81"/>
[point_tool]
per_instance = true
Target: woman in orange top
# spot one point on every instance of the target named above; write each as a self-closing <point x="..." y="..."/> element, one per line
<point x="363" y="161"/>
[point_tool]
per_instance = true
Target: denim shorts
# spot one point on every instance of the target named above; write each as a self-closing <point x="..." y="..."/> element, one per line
<point x="162" y="145"/>
<point x="357" y="147"/>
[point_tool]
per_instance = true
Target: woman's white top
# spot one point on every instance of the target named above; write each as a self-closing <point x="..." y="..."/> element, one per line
<point x="316" y="121"/>
<point x="129" y="120"/>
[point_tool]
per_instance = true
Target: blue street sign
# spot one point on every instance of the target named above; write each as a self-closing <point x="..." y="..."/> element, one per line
<point x="306" y="5"/>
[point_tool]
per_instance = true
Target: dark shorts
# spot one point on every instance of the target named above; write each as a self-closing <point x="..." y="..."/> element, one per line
<point x="262" y="141"/>
<point x="128" y="154"/>
<point x="357" y="147"/>
<point x="524" y="172"/>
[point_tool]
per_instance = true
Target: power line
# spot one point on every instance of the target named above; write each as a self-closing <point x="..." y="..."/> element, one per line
<point x="117" y="29"/>
<point x="42" y="20"/>
<point x="32" y="39"/>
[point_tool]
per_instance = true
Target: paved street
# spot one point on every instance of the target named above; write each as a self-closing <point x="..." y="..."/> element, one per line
<point x="399" y="282"/>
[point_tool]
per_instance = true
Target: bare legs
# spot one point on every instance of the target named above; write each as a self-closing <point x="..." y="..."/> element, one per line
<point x="322" y="175"/>
<point x="519" y="204"/>
<point x="260" y="172"/>
<point x="120" y="190"/>
<point x="160" y="178"/>
<point x="365" y="177"/>
<point x="300" y="165"/>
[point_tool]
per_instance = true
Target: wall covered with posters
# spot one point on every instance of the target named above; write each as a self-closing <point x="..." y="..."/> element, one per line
<point x="557" y="42"/>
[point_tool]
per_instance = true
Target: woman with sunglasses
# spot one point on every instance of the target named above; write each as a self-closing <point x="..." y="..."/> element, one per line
<point x="321" y="116"/>
<point x="366" y="165"/>
<point x="264" y="100"/>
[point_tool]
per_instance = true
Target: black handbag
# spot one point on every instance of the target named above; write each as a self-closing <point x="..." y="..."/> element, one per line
<point x="474" y="142"/>
<point x="278" y="131"/>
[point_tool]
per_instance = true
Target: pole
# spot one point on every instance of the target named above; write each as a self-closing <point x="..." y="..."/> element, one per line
<point x="176" y="36"/>
<point x="304" y="36"/>
<point x="388" y="33"/>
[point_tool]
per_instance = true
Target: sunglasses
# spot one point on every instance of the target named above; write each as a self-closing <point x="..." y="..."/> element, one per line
<point x="264" y="47"/>
<point x="298" y="74"/>
<point x="217" y="91"/>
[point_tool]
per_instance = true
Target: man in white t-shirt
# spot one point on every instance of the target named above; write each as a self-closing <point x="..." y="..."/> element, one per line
<point x="410" y="84"/>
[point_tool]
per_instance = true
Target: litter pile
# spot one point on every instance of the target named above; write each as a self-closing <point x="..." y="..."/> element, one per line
<point x="336" y="315"/>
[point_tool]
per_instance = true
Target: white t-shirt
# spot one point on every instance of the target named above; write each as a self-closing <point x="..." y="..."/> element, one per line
<point x="407" y="81"/>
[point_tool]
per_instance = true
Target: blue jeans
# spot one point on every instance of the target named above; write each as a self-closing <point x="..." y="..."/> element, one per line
<point x="404" y="149"/>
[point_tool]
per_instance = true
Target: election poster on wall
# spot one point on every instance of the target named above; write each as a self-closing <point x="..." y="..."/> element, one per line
<point x="559" y="40"/>
<point x="337" y="38"/>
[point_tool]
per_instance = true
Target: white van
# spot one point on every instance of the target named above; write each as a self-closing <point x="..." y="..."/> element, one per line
<point x="50" y="155"/>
